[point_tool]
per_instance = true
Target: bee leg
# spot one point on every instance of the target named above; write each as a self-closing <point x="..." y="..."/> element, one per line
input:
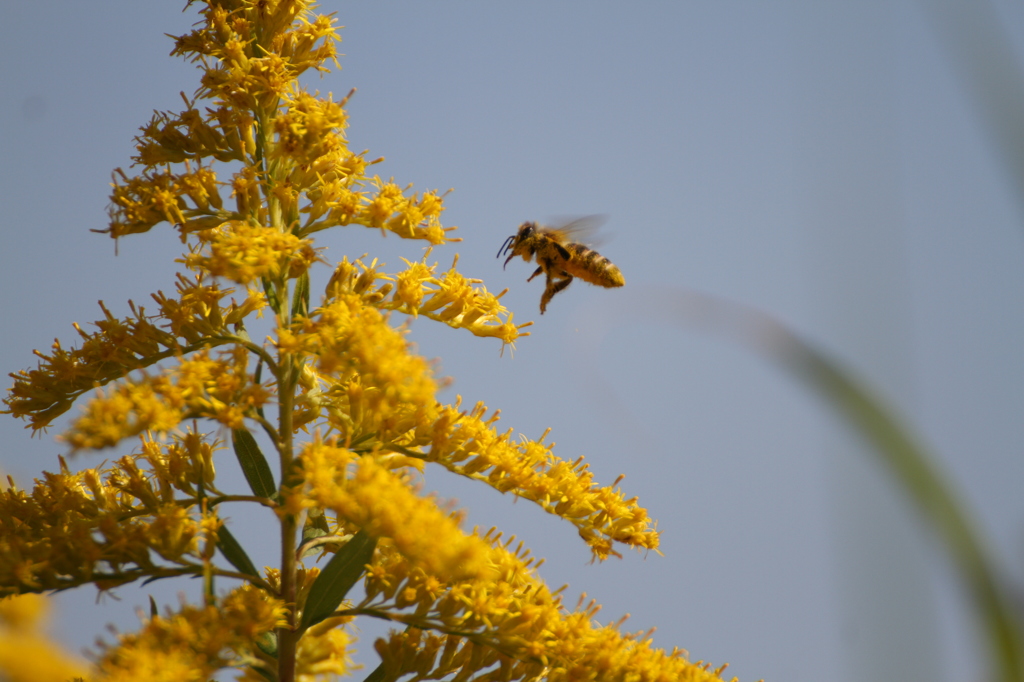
<point x="535" y="273"/>
<point x="554" y="286"/>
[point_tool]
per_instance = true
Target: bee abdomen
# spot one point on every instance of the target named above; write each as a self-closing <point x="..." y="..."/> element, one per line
<point x="590" y="266"/>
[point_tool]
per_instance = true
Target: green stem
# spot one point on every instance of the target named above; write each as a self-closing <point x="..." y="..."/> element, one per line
<point x="490" y="639"/>
<point x="285" y="374"/>
<point x="907" y="462"/>
<point x="911" y="466"/>
<point x="287" y="636"/>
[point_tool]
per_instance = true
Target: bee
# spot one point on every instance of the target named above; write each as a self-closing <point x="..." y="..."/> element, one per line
<point x="560" y="258"/>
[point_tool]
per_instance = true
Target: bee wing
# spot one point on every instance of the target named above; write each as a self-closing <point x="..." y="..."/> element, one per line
<point x="580" y="229"/>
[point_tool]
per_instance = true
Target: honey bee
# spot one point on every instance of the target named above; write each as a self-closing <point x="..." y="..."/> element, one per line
<point x="560" y="258"/>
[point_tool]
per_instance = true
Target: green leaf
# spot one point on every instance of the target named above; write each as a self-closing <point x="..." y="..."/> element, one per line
<point x="254" y="464"/>
<point x="268" y="675"/>
<point x="337" y="578"/>
<point x="911" y="466"/>
<point x="300" y="297"/>
<point x="258" y="378"/>
<point x="154" y="578"/>
<point x="315" y="527"/>
<point x="233" y="552"/>
<point x="271" y="293"/>
<point x="377" y="675"/>
<point x="267" y="643"/>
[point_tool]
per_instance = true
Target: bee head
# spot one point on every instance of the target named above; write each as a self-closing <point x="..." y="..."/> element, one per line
<point x="525" y="230"/>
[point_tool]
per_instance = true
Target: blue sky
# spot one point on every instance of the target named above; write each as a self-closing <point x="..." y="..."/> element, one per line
<point x="825" y="163"/>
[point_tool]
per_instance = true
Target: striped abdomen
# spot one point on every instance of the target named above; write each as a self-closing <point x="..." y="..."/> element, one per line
<point x="590" y="266"/>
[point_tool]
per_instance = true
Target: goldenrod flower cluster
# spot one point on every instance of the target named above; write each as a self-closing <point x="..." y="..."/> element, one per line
<point x="26" y="653"/>
<point x="195" y="642"/>
<point x="467" y="444"/>
<point x="331" y="415"/>
<point x="193" y="320"/>
<point x="364" y="493"/>
<point x="510" y="626"/>
<point x="450" y="298"/>
<point x="200" y="386"/>
<point x="108" y="526"/>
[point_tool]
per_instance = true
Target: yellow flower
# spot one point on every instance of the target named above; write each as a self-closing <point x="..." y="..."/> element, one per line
<point x="467" y="444"/>
<point x="200" y="386"/>
<point x="99" y="526"/>
<point x="143" y="202"/>
<point x="353" y="341"/>
<point x="408" y="217"/>
<point x="451" y="298"/>
<point x="170" y="138"/>
<point x="325" y="650"/>
<point x="184" y="463"/>
<point x="195" y="642"/>
<point x="510" y="619"/>
<point x="118" y="347"/>
<point x="24" y="612"/>
<point x="128" y="410"/>
<point x="26" y="654"/>
<point x="306" y="130"/>
<point x="472" y="605"/>
<point x="242" y="252"/>
<point x="173" y="532"/>
<point x="368" y="496"/>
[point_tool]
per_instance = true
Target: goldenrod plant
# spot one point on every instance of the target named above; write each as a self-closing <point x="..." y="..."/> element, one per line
<point x="321" y="400"/>
<point x="26" y="653"/>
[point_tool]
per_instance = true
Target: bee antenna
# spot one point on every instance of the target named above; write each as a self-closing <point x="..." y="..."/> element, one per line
<point x="505" y="245"/>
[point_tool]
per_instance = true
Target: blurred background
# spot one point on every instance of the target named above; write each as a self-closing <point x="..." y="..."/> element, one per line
<point x="852" y="169"/>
